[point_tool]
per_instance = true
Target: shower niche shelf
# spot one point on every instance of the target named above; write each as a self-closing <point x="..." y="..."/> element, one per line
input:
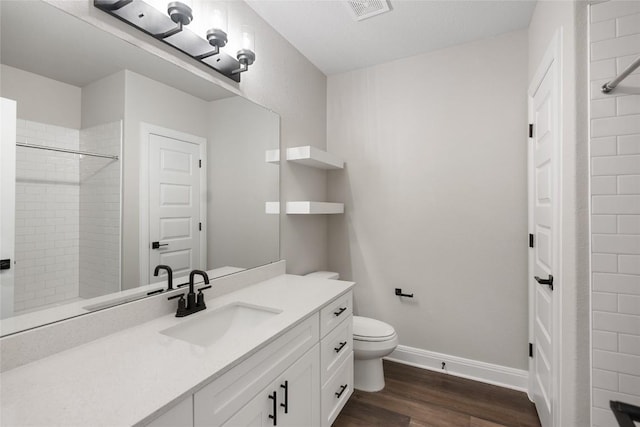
<point x="314" y="208"/>
<point x="314" y="157"/>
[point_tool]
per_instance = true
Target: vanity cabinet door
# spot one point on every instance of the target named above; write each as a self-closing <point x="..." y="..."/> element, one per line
<point x="299" y="391"/>
<point x="293" y="399"/>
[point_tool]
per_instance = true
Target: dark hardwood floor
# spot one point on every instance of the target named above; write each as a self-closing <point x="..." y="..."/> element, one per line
<point x="417" y="397"/>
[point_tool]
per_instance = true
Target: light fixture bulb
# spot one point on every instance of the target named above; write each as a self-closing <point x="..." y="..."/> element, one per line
<point x="247" y="38"/>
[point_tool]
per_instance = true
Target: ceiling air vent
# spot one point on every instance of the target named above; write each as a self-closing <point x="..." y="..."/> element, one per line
<point x="363" y="9"/>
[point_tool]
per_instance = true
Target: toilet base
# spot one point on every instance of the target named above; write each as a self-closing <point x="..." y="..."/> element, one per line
<point x="368" y="374"/>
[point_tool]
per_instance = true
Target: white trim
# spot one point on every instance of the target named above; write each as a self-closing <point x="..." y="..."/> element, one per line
<point x="503" y="376"/>
<point x="147" y="129"/>
<point x="551" y="62"/>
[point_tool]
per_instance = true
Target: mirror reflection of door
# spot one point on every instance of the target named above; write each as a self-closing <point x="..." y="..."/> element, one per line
<point x="175" y="204"/>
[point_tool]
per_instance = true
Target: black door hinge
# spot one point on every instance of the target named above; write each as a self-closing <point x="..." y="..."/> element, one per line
<point x="530" y="350"/>
<point x="530" y="130"/>
<point x="200" y="163"/>
<point x="200" y="226"/>
<point x="530" y="240"/>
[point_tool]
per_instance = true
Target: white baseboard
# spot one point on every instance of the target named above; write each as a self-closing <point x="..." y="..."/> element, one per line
<point x="489" y="373"/>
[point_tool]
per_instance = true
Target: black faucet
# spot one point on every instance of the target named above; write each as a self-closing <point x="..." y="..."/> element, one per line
<point x="193" y="304"/>
<point x="169" y="273"/>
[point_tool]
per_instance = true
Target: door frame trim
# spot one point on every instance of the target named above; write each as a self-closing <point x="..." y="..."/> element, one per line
<point x="8" y="120"/>
<point x="550" y="62"/>
<point x="147" y="129"/>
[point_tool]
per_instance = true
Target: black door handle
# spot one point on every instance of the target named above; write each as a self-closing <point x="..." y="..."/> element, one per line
<point x="285" y="405"/>
<point x="156" y="245"/>
<point x="548" y="282"/>
<point x="342" y="389"/>
<point x="5" y="264"/>
<point x="274" y="417"/>
<point x="340" y="311"/>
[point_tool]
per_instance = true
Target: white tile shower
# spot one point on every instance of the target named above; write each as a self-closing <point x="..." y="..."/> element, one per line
<point x="67" y="215"/>
<point x="615" y="203"/>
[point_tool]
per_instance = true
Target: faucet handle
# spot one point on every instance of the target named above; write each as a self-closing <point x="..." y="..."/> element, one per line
<point x="204" y="288"/>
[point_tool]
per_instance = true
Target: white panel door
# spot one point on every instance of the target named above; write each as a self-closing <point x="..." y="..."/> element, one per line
<point x="7" y="204"/>
<point x="544" y="226"/>
<point x="174" y="205"/>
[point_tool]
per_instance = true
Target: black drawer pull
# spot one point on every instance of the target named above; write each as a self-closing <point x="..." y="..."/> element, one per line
<point x="340" y="311"/>
<point x="340" y="347"/>
<point x="285" y="405"/>
<point x="342" y="389"/>
<point x="274" y="417"/>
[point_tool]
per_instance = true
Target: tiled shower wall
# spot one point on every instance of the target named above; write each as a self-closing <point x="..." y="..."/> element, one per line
<point x="47" y="220"/>
<point x="100" y="211"/>
<point x="67" y="215"/>
<point x="615" y="204"/>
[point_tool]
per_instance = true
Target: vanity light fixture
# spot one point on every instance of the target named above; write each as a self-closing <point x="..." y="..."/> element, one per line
<point x="197" y="28"/>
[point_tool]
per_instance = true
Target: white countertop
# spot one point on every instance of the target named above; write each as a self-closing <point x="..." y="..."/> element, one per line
<point x="123" y="378"/>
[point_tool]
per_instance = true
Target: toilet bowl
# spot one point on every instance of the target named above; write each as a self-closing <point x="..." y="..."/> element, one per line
<point x="372" y="340"/>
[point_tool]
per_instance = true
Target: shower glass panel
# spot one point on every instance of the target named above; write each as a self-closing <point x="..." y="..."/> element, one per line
<point x="67" y="214"/>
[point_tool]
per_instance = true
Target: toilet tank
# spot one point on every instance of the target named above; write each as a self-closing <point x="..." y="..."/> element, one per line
<point x="324" y="275"/>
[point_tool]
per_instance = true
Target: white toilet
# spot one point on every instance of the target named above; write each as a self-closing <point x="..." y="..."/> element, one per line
<point x="372" y="340"/>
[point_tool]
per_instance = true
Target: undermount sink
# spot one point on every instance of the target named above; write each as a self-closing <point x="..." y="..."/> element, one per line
<point x="221" y="324"/>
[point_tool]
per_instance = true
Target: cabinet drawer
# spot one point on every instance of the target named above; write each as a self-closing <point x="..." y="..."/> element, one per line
<point x="335" y="348"/>
<point x="335" y="312"/>
<point x="337" y="391"/>
<point x="218" y="401"/>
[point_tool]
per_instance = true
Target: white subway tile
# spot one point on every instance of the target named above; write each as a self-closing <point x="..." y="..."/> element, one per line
<point x="601" y="398"/>
<point x="623" y="62"/>
<point x="604" y="263"/>
<point x="619" y="204"/>
<point x="629" y="344"/>
<point x="604" y="302"/>
<point x="629" y="384"/>
<point x="605" y="69"/>
<point x="628" y="144"/>
<point x="601" y="185"/>
<point x="623" y="125"/>
<point x="626" y="105"/>
<point x="605" y="340"/>
<point x="602" y="30"/>
<point x="613" y="9"/>
<point x="620" y="283"/>
<point x="611" y="48"/>
<point x="629" y="304"/>
<point x="603" y="224"/>
<point x="606" y="380"/>
<point x="611" y="361"/>
<point x="614" y="322"/>
<point x="629" y="184"/>
<point x="629" y="224"/>
<point x="603" y="418"/>
<point x="629" y="264"/>
<point x="626" y="25"/>
<point x="605" y="107"/>
<point x="617" y="165"/>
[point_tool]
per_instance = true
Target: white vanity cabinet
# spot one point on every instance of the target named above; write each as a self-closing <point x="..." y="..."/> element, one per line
<point x="302" y="378"/>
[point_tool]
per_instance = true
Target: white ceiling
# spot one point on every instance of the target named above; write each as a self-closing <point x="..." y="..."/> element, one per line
<point x="325" y="32"/>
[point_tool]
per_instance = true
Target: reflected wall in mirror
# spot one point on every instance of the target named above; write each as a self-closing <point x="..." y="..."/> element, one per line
<point x="185" y="168"/>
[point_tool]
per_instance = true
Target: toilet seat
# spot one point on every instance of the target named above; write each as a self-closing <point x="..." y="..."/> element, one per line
<point x="372" y="330"/>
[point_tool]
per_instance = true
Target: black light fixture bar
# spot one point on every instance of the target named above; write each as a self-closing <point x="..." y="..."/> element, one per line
<point x="148" y="19"/>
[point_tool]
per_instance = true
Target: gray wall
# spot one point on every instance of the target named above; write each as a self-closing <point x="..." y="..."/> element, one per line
<point x="239" y="233"/>
<point x="435" y="196"/>
<point x="103" y="100"/>
<point x="41" y="99"/>
<point x="573" y="290"/>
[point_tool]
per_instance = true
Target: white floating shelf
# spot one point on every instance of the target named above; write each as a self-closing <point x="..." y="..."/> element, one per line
<point x="272" y="208"/>
<point x="314" y="157"/>
<point x="314" y="208"/>
<point x="272" y="156"/>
